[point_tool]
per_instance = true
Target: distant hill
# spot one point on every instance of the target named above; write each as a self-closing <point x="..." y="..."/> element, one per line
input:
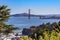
<point x="25" y="14"/>
<point x="50" y="16"/>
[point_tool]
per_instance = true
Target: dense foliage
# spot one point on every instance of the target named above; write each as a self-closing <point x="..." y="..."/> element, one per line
<point x="45" y="32"/>
<point x="4" y="15"/>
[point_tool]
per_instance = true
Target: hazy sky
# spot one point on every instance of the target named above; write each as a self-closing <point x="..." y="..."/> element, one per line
<point x="36" y="6"/>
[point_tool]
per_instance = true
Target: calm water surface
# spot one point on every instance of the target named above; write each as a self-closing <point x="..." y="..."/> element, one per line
<point x="24" y="22"/>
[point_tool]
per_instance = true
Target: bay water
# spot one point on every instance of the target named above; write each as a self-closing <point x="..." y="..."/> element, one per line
<point x="24" y="22"/>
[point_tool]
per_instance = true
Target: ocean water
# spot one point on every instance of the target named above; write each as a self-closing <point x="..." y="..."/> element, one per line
<point x="24" y="22"/>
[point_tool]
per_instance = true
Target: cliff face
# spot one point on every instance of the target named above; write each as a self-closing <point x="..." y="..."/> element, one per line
<point x="28" y="31"/>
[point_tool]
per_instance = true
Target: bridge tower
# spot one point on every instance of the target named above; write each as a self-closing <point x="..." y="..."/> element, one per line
<point x="29" y="13"/>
